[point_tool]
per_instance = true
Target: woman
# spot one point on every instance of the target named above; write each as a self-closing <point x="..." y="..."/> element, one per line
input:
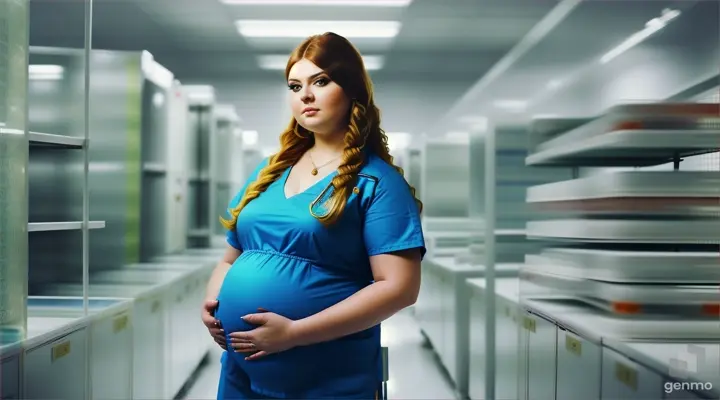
<point x="325" y="243"/>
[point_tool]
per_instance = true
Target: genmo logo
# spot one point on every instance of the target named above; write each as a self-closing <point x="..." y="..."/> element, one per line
<point x="687" y="386"/>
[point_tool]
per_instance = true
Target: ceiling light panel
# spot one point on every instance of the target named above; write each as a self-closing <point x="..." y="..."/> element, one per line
<point x="303" y="29"/>
<point x="348" y="3"/>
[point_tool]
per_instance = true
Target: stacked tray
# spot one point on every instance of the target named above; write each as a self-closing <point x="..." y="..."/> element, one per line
<point x="627" y="266"/>
<point x="634" y="243"/>
<point x="633" y="193"/>
<point x="632" y="134"/>
<point x="671" y="231"/>
<point x="623" y="297"/>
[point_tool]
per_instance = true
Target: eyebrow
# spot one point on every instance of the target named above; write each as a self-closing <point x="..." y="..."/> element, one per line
<point x="311" y="76"/>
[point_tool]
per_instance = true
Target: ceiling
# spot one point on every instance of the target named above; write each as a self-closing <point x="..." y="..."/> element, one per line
<point x="562" y="74"/>
<point x="455" y="40"/>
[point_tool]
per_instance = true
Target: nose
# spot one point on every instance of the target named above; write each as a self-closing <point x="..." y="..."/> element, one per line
<point x="306" y="95"/>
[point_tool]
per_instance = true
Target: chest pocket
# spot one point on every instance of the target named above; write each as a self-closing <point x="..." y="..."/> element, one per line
<point x="360" y="196"/>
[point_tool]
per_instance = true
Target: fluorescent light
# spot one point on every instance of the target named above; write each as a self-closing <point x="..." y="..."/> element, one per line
<point x="398" y="140"/>
<point x="512" y="105"/>
<point x="352" y="3"/>
<point x="478" y="123"/>
<point x="268" y="151"/>
<point x="250" y="138"/>
<point x="278" y="62"/>
<point x="303" y="29"/>
<point x="41" y="72"/>
<point x="636" y="38"/>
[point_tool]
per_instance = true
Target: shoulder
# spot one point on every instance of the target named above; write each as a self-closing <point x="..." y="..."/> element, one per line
<point x="381" y="177"/>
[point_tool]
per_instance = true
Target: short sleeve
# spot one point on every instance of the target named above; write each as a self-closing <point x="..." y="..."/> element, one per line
<point x="392" y="218"/>
<point x="231" y="235"/>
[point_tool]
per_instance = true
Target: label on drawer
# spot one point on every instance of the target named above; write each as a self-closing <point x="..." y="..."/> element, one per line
<point x="626" y="375"/>
<point x="59" y="351"/>
<point x="573" y="345"/>
<point x="120" y="323"/>
<point x="529" y="324"/>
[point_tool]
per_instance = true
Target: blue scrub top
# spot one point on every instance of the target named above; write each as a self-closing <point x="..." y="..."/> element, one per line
<point x="294" y="266"/>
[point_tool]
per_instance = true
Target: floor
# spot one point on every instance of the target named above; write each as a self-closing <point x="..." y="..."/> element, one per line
<point x="414" y="373"/>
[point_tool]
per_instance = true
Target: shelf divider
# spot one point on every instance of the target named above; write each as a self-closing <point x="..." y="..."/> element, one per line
<point x="62" y="141"/>
<point x="62" y="226"/>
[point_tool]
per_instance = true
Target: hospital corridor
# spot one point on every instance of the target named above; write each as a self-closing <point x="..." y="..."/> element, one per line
<point x="529" y="189"/>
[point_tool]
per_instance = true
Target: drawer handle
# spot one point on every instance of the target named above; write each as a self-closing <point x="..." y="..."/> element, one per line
<point x="626" y="375"/>
<point x="120" y="323"/>
<point x="529" y="324"/>
<point x="59" y="351"/>
<point x="573" y="345"/>
<point x="155" y="306"/>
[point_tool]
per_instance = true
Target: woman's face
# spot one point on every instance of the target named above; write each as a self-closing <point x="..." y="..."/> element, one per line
<point x="318" y="104"/>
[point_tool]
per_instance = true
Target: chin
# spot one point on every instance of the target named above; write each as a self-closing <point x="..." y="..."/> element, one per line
<point x="317" y="128"/>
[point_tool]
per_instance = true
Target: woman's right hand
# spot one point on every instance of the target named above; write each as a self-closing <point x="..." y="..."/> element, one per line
<point x="212" y="324"/>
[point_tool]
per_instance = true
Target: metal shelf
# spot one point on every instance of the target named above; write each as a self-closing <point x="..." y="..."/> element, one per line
<point x="63" y="226"/>
<point x="630" y="135"/>
<point x="610" y="295"/>
<point x="629" y="148"/>
<point x="659" y="184"/>
<point x="38" y="139"/>
<point x="155" y="168"/>
<point x="627" y="231"/>
<point x="633" y="192"/>
<point x="624" y="266"/>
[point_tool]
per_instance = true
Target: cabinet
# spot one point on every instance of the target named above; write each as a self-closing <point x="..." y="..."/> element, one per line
<point x="445" y="312"/>
<point x="579" y="364"/>
<point x="506" y="338"/>
<point x="10" y="377"/>
<point x="624" y="379"/>
<point x="56" y="369"/>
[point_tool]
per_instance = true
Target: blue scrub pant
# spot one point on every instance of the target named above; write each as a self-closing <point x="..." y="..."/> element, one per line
<point x="235" y="385"/>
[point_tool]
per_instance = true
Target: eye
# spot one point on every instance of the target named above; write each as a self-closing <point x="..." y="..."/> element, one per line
<point x="322" y="81"/>
<point x="294" y="87"/>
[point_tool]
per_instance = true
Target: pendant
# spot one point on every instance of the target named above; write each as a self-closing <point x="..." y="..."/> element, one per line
<point x="314" y="171"/>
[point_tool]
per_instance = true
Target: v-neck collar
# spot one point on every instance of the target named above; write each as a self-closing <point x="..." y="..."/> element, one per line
<point x="309" y="189"/>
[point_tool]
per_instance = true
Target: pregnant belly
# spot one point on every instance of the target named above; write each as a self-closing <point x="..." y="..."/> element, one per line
<point x="296" y="289"/>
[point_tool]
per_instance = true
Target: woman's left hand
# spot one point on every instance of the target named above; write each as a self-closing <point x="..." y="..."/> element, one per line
<point x="273" y="335"/>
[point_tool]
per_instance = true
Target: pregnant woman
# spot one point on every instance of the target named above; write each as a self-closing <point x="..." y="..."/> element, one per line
<point x="325" y="243"/>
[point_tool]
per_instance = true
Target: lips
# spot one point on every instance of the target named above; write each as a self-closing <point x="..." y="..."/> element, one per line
<point x="310" y="110"/>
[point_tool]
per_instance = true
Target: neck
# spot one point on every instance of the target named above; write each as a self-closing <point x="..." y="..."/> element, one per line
<point x="329" y="145"/>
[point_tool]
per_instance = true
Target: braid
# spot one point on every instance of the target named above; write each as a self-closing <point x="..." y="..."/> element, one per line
<point x="293" y="146"/>
<point x="352" y="160"/>
<point x="360" y="134"/>
<point x="363" y="131"/>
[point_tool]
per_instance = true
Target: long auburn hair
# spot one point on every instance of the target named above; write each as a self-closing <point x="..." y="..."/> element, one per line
<point x="343" y="63"/>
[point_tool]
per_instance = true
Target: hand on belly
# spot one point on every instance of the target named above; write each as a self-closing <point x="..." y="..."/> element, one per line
<point x="272" y="333"/>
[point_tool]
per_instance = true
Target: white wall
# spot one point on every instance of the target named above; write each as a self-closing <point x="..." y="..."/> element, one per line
<point x="407" y="105"/>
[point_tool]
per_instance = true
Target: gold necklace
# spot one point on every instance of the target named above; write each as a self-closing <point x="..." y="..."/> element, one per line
<point x="315" y="167"/>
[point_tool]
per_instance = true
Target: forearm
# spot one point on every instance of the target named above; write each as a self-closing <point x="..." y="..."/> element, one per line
<point x="364" y="309"/>
<point x="216" y="279"/>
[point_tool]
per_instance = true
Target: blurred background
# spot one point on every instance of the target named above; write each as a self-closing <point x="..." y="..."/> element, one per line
<point x="566" y="152"/>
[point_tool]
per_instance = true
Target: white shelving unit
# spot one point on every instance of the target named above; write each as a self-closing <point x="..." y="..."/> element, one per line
<point x="628" y="259"/>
